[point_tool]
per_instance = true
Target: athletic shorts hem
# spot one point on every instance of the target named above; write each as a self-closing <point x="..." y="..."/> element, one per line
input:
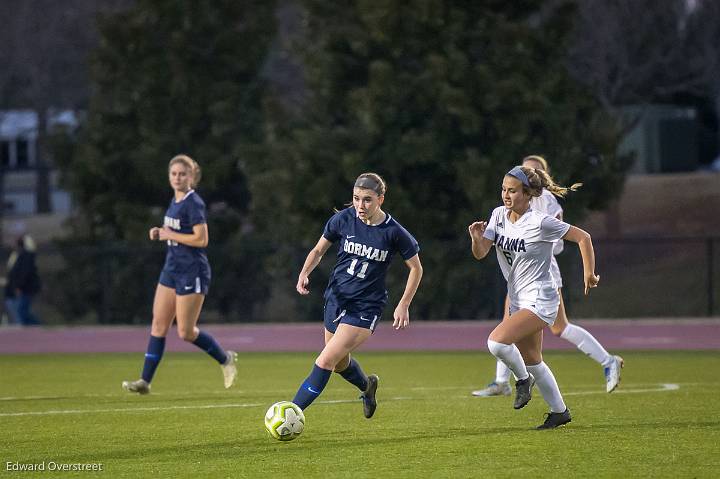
<point x="335" y="315"/>
<point x="185" y="284"/>
<point x="543" y="300"/>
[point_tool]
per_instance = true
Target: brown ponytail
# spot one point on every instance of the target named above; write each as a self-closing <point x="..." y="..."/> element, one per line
<point x="540" y="179"/>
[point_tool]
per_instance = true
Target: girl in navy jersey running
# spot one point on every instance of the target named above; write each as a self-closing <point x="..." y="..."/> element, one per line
<point x="524" y="239"/>
<point x="355" y="296"/>
<point x="580" y="337"/>
<point x="185" y="278"/>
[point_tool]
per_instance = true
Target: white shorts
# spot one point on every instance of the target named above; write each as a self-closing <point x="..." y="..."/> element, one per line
<point x="541" y="298"/>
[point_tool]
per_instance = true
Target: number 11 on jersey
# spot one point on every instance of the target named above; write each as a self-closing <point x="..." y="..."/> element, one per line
<point x="363" y="269"/>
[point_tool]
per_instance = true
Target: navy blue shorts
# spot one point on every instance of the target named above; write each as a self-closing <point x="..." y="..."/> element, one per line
<point x="186" y="283"/>
<point x="334" y="315"/>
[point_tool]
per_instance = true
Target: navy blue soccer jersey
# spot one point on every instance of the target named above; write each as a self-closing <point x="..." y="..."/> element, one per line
<point x="181" y="216"/>
<point x="364" y="254"/>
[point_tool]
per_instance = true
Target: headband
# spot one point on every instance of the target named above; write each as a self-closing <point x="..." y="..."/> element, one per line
<point x="518" y="173"/>
<point x="368" y="183"/>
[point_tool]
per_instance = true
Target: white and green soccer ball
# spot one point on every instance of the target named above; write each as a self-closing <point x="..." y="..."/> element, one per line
<point x="284" y="421"/>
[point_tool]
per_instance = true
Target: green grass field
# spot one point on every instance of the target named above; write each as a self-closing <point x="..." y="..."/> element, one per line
<point x="664" y="421"/>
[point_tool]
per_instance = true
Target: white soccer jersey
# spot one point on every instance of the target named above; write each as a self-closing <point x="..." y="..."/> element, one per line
<point x="524" y="248"/>
<point x="548" y="204"/>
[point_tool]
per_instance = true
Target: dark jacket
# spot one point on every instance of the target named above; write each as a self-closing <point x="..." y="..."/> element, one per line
<point x="23" y="275"/>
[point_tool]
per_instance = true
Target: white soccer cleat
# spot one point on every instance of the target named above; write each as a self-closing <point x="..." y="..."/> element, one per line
<point x="140" y="386"/>
<point x="494" y="389"/>
<point x="612" y="373"/>
<point x="229" y="369"/>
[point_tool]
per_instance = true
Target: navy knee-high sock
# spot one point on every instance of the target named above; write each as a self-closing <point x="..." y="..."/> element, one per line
<point x="155" y="349"/>
<point x="355" y="375"/>
<point x="312" y="386"/>
<point x="207" y="343"/>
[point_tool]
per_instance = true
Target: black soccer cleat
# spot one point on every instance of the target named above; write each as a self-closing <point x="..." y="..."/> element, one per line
<point x="368" y="397"/>
<point x="555" y="419"/>
<point x="523" y="391"/>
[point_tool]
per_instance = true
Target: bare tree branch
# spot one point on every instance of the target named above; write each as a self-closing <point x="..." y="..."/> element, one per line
<point x="639" y="51"/>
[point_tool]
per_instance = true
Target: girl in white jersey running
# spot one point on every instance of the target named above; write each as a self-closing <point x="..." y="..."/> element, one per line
<point x="581" y="338"/>
<point x="524" y="240"/>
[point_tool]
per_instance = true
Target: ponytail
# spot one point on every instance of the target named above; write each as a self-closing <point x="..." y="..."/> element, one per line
<point x="539" y="179"/>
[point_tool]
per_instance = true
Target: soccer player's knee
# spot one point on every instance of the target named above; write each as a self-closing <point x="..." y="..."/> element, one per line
<point x="325" y="363"/>
<point x="343" y="364"/>
<point x="158" y="328"/>
<point x="187" y="334"/>
<point x="533" y="357"/>
<point x="494" y="347"/>
<point x="556" y="331"/>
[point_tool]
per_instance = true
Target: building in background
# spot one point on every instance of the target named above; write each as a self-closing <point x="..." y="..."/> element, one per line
<point x="18" y="162"/>
<point x="664" y="138"/>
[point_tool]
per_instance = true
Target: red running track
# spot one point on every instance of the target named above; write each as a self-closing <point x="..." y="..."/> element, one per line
<point x="638" y="334"/>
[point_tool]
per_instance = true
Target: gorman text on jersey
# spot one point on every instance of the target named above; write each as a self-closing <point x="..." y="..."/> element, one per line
<point x="362" y="250"/>
<point x="173" y="223"/>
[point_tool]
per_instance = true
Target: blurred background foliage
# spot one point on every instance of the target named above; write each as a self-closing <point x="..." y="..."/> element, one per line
<point x="284" y="105"/>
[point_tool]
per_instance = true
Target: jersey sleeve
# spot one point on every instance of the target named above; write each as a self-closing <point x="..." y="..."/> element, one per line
<point x="547" y="203"/>
<point x="332" y="228"/>
<point x="405" y="243"/>
<point x="553" y="207"/>
<point x="490" y="232"/>
<point x="197" y="214"/>
<point x="552" y="229"/>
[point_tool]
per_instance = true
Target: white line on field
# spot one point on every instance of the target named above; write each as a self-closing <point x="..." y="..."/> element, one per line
<point x="135" y="409"/>
<point x="166" y="408"/>
<point x="238" y="392"/>
<point x="235" y="392"/>
<point x="663" y="387"/>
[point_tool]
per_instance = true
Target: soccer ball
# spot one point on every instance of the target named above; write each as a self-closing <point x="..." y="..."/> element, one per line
<point x="284" y="421"/>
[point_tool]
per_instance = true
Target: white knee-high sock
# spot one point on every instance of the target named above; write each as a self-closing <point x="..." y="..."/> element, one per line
<point x="586" y="343"/>
<point x="502" y="372"/>
<point x="510" y="355"/>
<point x="548" y="387"/>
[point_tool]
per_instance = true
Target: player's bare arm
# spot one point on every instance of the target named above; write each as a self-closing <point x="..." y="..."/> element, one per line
<point x="401" y="316"/>
<point x="584" y="241"/>
<point x="313" y="259"/>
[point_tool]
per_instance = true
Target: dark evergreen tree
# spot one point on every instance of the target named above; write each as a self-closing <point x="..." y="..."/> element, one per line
<point x="441" y="98"/>
<point x="171" y="77"/>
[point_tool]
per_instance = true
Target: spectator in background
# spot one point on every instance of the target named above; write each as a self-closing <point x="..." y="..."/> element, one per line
<point x="23" y="282"/>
